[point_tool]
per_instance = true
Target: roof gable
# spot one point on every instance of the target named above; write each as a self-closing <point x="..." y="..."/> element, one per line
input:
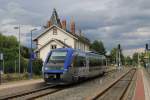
<point x="47" y="30"/>
<point x="55" y="40"/>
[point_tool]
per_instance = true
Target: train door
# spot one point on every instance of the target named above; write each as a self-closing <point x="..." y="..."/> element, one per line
<point x="87" y="65"/>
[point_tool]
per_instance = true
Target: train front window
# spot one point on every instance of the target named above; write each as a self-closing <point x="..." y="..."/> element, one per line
<point x="57" y="57"/>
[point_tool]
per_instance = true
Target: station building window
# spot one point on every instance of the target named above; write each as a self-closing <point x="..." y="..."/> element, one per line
<point x="54" y="31"/>
<point x="53" y="46"/>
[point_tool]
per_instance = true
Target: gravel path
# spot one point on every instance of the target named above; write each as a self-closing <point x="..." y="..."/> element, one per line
<point x="84" y="90"/>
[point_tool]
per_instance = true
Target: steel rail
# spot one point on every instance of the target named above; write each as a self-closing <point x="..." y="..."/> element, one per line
<point x="100" y="93"/>
<point x="36" y="93"/>
<point x="39" y="94"/>
<point x="125" y="91"/>
<point x="15" y="95"/>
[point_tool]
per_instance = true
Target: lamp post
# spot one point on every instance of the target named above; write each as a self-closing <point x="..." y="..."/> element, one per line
<point x="31" y="54"/>
<point x="18" y="27"/>
<point x="1" y="59"/>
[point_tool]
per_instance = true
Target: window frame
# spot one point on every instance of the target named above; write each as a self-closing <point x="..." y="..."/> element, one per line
<point x="79" y="61"/>
<point x="54" y="31"/>
<point x="53" y="45"/>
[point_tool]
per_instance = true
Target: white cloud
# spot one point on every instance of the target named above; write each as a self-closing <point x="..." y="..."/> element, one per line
<point x="130" y="52"/>
<point x="24" y="30"/>
<point x="112" y="21"/>
<point x="7" y="21"/>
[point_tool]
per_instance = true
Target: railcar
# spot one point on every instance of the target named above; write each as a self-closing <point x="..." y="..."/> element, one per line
<point x="67" y="65"/>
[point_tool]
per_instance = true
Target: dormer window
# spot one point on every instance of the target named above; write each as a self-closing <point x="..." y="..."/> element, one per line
<point x="54" y="31"/>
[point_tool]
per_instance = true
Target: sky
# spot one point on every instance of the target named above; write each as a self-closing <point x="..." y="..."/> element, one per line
<point x="125" y="22"/>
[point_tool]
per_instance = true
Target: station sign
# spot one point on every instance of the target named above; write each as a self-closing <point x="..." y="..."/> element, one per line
<point x="33" y="56"/>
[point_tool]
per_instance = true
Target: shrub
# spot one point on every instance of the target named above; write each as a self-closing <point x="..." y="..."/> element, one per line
<point x="37" y="66"/>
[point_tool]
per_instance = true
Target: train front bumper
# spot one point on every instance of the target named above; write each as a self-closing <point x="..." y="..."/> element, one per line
<point x="57" y="76"/>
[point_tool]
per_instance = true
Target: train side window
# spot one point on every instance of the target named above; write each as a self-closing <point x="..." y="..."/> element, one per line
<point x="79" y="61"/>
<point x="95" y="61"/>
<point x="75" y="61"/>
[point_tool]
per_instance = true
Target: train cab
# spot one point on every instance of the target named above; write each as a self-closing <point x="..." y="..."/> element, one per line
<point x="67" y="65"/>
<point x="56" y="65"/>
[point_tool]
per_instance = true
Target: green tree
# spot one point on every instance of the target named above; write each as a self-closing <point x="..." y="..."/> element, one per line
<point x="114" y="56"/>
<point x="98" y="47"/>
<point x="142" y="60"/>
<point x="128" y="60"/>
<point x="37" y="66"/>
<point x="25" y="52"/>
<point x="9" y="47"/>
<point x="135" y="58"/>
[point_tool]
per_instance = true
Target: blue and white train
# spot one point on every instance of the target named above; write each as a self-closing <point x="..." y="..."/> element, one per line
<point x="66" y="65"/>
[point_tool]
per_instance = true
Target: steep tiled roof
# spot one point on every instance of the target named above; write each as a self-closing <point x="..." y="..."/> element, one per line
<point x="55" y="22"/>
<point x="81" y="38"/>
<point x="46" y="30"/>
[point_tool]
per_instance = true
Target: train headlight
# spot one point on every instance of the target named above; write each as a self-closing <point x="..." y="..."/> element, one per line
<point x="46" y="68"/>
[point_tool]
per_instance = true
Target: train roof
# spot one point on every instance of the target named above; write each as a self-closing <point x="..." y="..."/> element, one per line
<point x="78" y="50"/>
<point x="63" y="49"/>
<point x="93" y="52"/>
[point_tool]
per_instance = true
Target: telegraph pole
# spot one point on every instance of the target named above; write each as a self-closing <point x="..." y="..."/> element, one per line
<point x="119" y="56"/>
<point x="3" y="66"/>
<point x="1" y="59"/>
<point x="138" y="61"/>
<point x="119" y="59"/>
<point x="0" y="73"/>
<point x="147" y="57"/>
<point x="19" y="48"/>
<point x="15" y="66"/>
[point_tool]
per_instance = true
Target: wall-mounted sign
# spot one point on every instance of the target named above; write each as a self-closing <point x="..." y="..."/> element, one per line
<point x="33" y="56"/>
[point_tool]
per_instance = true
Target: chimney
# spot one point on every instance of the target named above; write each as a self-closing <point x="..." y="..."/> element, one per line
<point x="64" y="24"/>
<point x="49" y="23"/>
<point x="72" y="26"/>
<point x="80" y="32"/>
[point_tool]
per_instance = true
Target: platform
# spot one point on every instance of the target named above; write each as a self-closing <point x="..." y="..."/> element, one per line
<point x="142" y="91"/>
<point x="18" y="86"/>
<point x="19" y="83"/>
<point x="146" y="80"/>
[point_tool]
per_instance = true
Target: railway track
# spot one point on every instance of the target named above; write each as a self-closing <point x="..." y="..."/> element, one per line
<point x="43" y="91"/>
<point x="32" y="94"/>
<point x="116" y="90"/>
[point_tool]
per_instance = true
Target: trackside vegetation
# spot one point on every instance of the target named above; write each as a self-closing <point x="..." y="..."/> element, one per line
<point x="9" y="48"/>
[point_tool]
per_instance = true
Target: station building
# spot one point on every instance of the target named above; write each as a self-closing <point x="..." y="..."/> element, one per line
<point x="56" y="35"/>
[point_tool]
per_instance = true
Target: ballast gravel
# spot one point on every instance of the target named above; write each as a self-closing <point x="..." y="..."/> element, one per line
<point x="86" y="89"/>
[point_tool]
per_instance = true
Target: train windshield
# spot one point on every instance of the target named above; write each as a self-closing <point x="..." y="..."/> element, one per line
<point x="57" y="57"/>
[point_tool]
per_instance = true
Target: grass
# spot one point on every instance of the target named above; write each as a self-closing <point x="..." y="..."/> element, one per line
<point x="16" y="77"/>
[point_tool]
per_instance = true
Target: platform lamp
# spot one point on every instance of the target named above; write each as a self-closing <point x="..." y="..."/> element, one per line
<point x="18" y="28"/>
<point x="31" y="56"/>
